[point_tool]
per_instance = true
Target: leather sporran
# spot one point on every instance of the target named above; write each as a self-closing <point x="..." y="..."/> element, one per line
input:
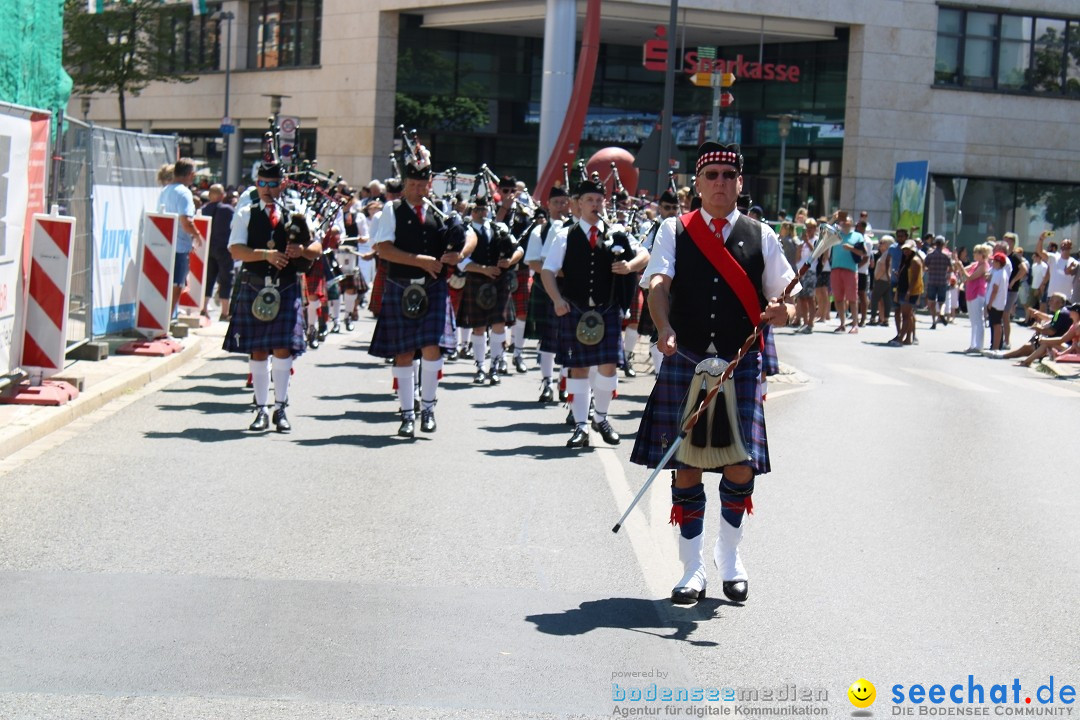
<point x="414" y="301"/>
<point x="716" y="439"/>
<point x="267" y="304"/>
<point x="487" y="295"/>
<point x="590" y="328"/>
<point x="456" y="280"/>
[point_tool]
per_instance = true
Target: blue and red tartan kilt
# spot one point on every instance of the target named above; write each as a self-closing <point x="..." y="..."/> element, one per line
<point x="521" y="295"/>
<point x="469" y="312"/>
<point x="377" y="286"/>
<point x="396" y="334"/>
<point x="662" y="419"/>
<point x="248" y="334"/>
<point x="646" y="326"/>
<point x="769" y="358"/>
<point x="634" y="316"/>
<point x="542" y="323"/>
<point x="573" y="354"/>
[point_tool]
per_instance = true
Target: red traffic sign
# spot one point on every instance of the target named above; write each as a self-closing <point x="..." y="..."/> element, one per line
<point x="726" y="99"/>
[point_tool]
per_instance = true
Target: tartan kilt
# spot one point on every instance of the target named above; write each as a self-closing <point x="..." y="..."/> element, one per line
<point x="469" y="312"/>
<point x="572" y="354"/>
<point x="521" y="295"/>
<point x="315" y="282"/>
<point x="770" y="359"/>
<point x="396" y="334"/>
<point x="542" y="323"/>
<point x="662" y="419"/>
<point x="247" y="334"/>
<point x="634" y="314"/>
<point x="377" y="287"/>
<point x="646" y="326"/>
<point x="455" y="299"/>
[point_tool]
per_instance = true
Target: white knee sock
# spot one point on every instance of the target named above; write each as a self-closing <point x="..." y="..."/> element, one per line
<point x="350" y="304"/>
<point x="579" y="388"/>
<point x="497" y="340"/>
<point x="281" y="371"/>
<point x="406" y="389"/>
<point x="547" y="364"/>
<point x="479" y="348"/>
<point x="335" y="310"/>
<point x="519" y="337"/>
<point x="657" y="357"/>
<point x="416" y="372"/>
<point x="313" y="315"/>
<point x="463" y="336"/>
<point x="260" y="381"/>
<point x="630" y="338"/>
<point x="603" y="389"/>
<point x="429" y="382"/>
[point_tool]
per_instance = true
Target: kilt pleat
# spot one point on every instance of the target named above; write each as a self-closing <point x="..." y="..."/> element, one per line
<point x="646" y="326"/>
<point x="769" y="358"/>
<point x="396" y="334"/>
<point x="247" y="334"/>
<point x="521" y="295"/>
<point x="542" y="324"/>
<point x="573" y="354"/>
<point x="634" y="313"/>
<point x="662" y="418"/>
<point x="377" y="287"/>
<point x="470" y="314"/>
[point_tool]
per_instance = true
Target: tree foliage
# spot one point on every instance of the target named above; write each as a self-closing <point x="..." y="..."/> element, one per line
<point x="433" y="98"/>
<point x="117" y="51"/>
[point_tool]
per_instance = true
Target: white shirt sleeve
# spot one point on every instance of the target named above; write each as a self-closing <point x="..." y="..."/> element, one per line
<point x="238" y="234"/>
<point x="534" y="247"/>
<point x="778" y="272"/>
<point x="557" y="251"/>
<point x="387" y="230"/>
<point x="662" y="258"/>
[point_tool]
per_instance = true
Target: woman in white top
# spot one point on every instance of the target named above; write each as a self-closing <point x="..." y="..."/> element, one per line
<point x="995" y="298"/>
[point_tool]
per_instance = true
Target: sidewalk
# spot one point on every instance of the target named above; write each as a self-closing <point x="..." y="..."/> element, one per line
<point x="102" y="382"/>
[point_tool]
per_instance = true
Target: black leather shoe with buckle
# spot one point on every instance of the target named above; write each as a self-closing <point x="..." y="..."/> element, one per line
<point x="427" y="421"/>
<point x="280" y="421"/>
<point x="502" y="367"/>
<point x="736" y="590"/>
<point x="606" y="431"/>
<point x="686" y="595"/>
<point x="628" y="370"/>
<point x="493" y="376"/>
<point x="519" y="364"/>
<point x="480" y="377"/>
<point x="580" y="438"/>
<point x="546" y="393"/>
<point x="261" y="422"/>
<point x="407" y="428"/>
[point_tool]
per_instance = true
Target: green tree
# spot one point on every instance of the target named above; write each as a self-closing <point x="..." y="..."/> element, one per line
<point x="433" y="98"/>
<point x="119" y="50"/>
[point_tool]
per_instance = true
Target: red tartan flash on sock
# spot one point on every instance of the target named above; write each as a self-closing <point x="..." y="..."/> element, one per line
<point x="746" y="504"/>
<point x="679" y="515"/>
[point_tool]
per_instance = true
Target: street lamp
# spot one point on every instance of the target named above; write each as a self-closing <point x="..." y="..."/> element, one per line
<point x="227" y="126"/>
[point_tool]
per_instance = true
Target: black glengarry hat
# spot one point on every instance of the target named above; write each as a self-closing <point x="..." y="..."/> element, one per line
<point x="591" y="185"/>
<point x="418" y="165"/>
<point x="557" y="191"/>
<point x="669" y="197"/>
<point x="711" y="153"/>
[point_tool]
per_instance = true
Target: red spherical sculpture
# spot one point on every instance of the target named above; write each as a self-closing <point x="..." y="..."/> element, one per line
<point x="601" y="161"/>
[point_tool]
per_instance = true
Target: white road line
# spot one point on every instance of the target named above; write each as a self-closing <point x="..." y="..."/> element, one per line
<point x="950" y="380"/>
<point x="1045" y="386"/>
<point x="867" y="376"/>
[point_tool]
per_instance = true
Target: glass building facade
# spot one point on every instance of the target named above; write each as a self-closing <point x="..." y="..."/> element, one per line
<point x="475" y="98"/>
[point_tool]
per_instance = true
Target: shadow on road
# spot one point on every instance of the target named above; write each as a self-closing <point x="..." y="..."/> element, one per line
<point x="360" y="397"/>
<point x="538" y="452"/>
<point x="206" y="435"/>
<point x="209" y="407"/>
<point x="652" y="617"/>
<point x="373" y="442"/>
<point x="219" y="390"/>
<point x="510" y="404"/>
<point x="533" y="427"/>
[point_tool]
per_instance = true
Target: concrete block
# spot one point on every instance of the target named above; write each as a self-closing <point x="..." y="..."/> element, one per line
<point x="93" y="351"/>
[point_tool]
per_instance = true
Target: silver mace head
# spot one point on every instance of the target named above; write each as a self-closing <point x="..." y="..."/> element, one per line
<point x="828" y="238"/>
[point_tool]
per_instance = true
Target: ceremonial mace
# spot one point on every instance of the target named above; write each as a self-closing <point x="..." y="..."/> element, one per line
<point x="829" y="237"/>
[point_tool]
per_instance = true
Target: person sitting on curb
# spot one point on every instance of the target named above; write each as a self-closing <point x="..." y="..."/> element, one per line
<point x="1051" y="344"/>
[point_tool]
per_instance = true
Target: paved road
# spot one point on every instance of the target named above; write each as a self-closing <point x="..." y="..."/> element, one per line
<point x="920" y="525"/>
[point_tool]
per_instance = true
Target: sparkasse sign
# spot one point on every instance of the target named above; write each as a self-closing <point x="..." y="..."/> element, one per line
<point x="656" y="55"/>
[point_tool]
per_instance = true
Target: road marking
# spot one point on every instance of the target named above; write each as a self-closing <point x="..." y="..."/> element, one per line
<point x="1043" y="386"/>
<point x="773" y="394"/>
<point x="867" y="376"/>
<point x="950" y="380"/>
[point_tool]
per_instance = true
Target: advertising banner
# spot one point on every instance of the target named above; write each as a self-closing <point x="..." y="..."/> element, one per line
<point x="125" y="166"/>
<point x="15" y="138"/>
<point x="909" y="194"/>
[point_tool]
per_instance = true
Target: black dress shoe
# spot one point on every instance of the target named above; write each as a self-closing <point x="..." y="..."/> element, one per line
<point x="736" y="590"/>
<point x="416" y="404"/>
<point x="687" y="596"/>
<point x="480" y="377"/>
<point x="562" y="395"/>
<point x="570" y="418"/>
<point x="519" y="364"/>
<point x="313" y="341"/>
<point x="493" y="376"/>
<point x="280" y="421"/>
<point x="606" y="431"/>
<point x="628" y="371"/>
<point x="466" y="352"/>
<point x="501" y="367"/>
<point x="546" y="393"/>
<point x="261" y="422"/>
<point x="407" y="428"/>
<point x="348" y="324"/>
<point x="452" y="356"/>
<point x="427" y="421"/>
<point x="580" y="438"/>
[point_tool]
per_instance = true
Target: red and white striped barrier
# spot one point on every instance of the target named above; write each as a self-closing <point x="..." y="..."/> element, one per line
<point x="45" y="332"/>
<point x="157" y="258"/>
<point x="194" y="294"/>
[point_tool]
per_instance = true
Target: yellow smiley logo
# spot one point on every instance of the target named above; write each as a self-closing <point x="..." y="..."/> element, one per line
<point x="862" y="693"/>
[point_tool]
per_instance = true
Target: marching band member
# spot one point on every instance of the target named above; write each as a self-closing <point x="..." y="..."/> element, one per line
<point x="542" y="323"/>
<point x="589" y="311"/>
<point x="713" y="275"/>
<point x="509" y="212"/>
<point x="416" y="247"/>
<point x="267" y="317"/>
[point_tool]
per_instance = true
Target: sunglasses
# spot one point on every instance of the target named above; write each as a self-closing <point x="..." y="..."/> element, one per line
<point x="668" y="206"/>
<point x="268" y="183"/>
<point x="714" y="175"/>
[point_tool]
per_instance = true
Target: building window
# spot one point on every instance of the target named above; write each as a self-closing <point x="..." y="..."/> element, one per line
<point x="1007" y="52"/>
<point x="284" y="33"/>
<point x="189" y="43"/>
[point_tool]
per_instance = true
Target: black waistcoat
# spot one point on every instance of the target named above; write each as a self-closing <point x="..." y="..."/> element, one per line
<point x="486" y="252"/>
<point x="412" y="237"/>
<point x="704" y="308"/>
<point x="259" y="235"/>
<point x="586" y="271"/>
